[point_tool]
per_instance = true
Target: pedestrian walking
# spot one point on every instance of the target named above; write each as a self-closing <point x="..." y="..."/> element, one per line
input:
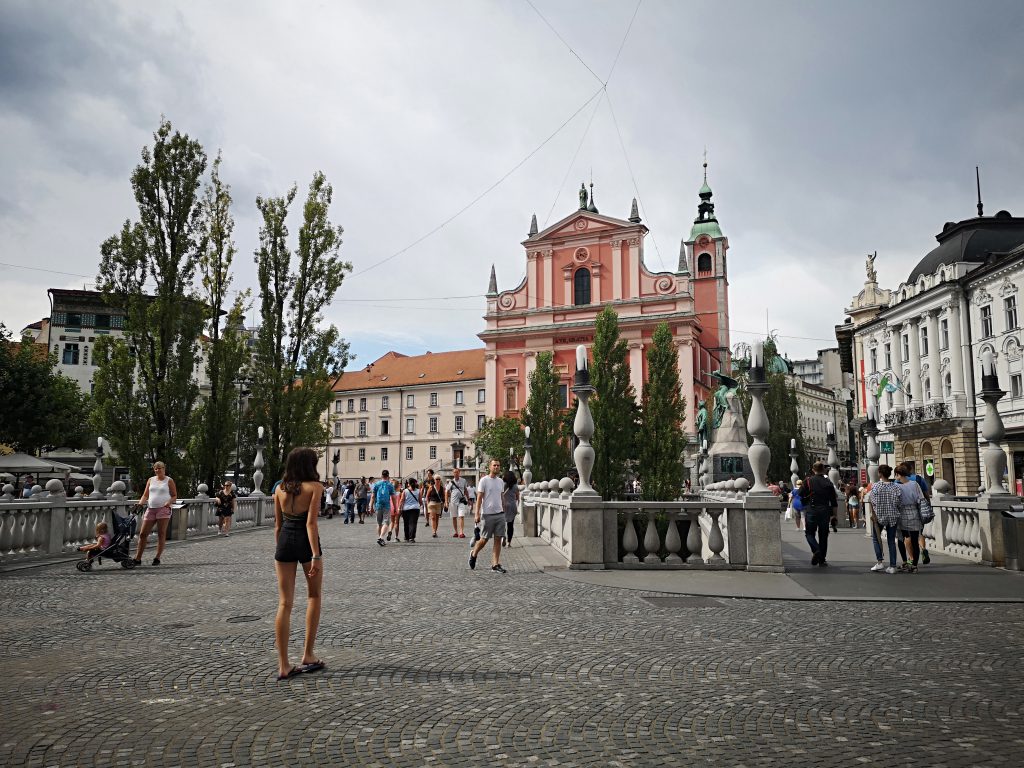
<point x="158" y="498"/>
<point x="428" y="483"/>
<point x="489" y="508"/>
<point x="884" y="498"/>
<point x="381" y="493"/>
<point x="297" y="538"/>
<point x="362" y="492"/>
<point x="329" y="501"/>
<point x="911" y="497"/>
<point x="796" y="506"/>
<point x="226" y="499"/>
<point x="350" y="502"/>
<point x="410" y="502"/>
<point x="510" y="504"/>
<point x="818" y="497"/>
<point x="457" y="501"/>
<point x="435" y="502"/>
<point x="853" y="505"/>
<point x="926" y="489"/>
<point x="396" y="509"/>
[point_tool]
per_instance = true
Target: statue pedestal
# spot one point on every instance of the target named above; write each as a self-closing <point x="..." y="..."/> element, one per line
<point x="728" y="454"/>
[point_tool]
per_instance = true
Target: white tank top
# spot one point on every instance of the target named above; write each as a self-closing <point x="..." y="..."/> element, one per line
<point x="159" y="492"/>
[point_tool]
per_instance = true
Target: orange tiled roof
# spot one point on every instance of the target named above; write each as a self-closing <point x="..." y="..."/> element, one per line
<point x="397" y="370"/>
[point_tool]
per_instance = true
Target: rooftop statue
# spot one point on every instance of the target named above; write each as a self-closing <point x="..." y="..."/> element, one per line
<point x="583" y="196"/>
<point x="869" y="265"/>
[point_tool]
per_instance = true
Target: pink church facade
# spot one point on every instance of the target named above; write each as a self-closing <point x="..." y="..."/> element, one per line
<point x="587" y="261"/>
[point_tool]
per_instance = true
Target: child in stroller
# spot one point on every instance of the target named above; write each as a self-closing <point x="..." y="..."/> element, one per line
<point x="115" y="548"/>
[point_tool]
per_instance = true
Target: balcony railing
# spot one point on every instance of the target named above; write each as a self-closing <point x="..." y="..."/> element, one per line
<point x="917" y="414"/>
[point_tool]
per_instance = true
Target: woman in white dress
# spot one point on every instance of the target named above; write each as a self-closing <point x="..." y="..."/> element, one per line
<point x="159" y="496"/>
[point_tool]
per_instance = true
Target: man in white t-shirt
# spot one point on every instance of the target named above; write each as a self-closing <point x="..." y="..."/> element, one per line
<point x="457" y="501"/>
<point x="488" y="505"/>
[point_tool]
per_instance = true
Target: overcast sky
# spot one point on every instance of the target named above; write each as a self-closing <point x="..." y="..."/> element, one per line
<point x="832" y="130"/>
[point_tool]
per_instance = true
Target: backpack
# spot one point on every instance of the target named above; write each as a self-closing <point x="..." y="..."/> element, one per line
<point x="798" y="503"/>
<point x="382" y="494"/>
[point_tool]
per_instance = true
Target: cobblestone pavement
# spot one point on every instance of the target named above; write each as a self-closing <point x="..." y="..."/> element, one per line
<point x="432" y="664"/>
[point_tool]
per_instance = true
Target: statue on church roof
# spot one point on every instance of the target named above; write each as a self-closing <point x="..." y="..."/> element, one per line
<point x="583" y="196"/>
<point x="869" y="265"/>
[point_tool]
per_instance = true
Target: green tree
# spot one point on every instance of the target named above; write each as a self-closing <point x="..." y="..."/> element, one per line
<point x="543" y="414"/>
<point x="662" y="417"/>
<point x="162" y="323"/>
<point x="216" y="417"/>
<point x="497" y="436"/>
<point x="297" y="360"/>
<point x="613" y="406"/>
<point x="43" y="409"/>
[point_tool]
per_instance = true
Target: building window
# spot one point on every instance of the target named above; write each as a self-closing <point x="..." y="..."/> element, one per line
<point x="385" y="427"/>
<point x="510" y="397"/>
<point x="888" y="356"/>
<point x="986" y="321"/>
<point x="362" y="454"/>
<point x="102" y="321"/>
<point x="563" y="395"/>
<point x="385" y="403"/>
<point x="480" y="419"/>
<point x="873" y="356"/>
<point x="1016" y="385"/>
<point x="362" y="403"/>
<point x="362" y="429"/>
<point x="458" y="423"/>
<point x="337" y="406"/>
<point x="888" y="401"/>
<point x="924" y="341"/>
<point x="459" y="399"/>
<point x="117" y="321"/>
<point x="1010" y="306"/>
<point x="410" y="426"/>
<point x="408" y="453"/>
<point x="383" y="454"/>
<point x="432" y="424"/>
<point x="410" y="401"/>
<point x="85" y="355"/>
<point x="337" y="429"/>
<point x="947" y="386"/>
<point x="944" y="334"/>
<point x="704" y="263"/>
<point x="433" y="399"/>
<point x="481" y="395"/>
<point x="906" y="346"/>
<point x="928" y="389"/>
<point x="75" y="319"/>
<point x="433" y="452"/>
<point x="581" y="287"/>
<point x="70" y="354"/>
<point x="351" y="406"/>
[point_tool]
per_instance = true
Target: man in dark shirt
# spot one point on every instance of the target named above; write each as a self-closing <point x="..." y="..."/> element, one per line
<point x="820" y="504"/>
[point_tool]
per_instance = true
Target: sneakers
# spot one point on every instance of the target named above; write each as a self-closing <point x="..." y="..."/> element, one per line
<point x="156" y="561"/>
<point x="890" y="570"/>
<point x="912" y="568"/>
<point x="815" y="559"/>
<point x="137" y="561"/>
<point x="472" y="562"/>
<point x="498" y="569"/>
<point x="878" y="567"/>
<point x="823" y="564"/>
<point x="389" y="535"/>
<point x="925" y="557"/>
<point x="381" y="542"/>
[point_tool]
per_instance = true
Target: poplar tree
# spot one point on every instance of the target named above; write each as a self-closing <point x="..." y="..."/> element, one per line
<point x="662" y="417"/>
<point x="297" y="358"/>
<point x="613" y="406"/>
<point x="145" y="388"/>
<point x="543" y="414"/>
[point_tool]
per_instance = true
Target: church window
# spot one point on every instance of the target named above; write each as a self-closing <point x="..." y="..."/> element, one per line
<point x="704" y="263"/>
<point x="581" y="287"/>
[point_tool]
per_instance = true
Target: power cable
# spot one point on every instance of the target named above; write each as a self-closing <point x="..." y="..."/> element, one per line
<point x="571" y="50"/>
<point x="623" y="43"/>
<point x="572" y="162"/>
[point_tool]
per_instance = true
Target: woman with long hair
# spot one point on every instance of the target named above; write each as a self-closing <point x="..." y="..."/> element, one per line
<point x="435" y="502"/>
<point x="296" y="506"/>
<point x="510" y="504"/>
<point x="410" y="502"/>
<point x="158" y="498"/>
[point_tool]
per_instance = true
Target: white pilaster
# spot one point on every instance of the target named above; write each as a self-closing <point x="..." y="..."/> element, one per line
<point x="914" y="332"/>
<point x="934" y="357"/>
<point x="531" y="281"/>
<point x="897" y="364"/>
<point x="617" y="268"/>
<point x="956" y="352"/>
<point x="636" y="366"/>
<point x="493" y="391"/>
<point x="549" y="278"/>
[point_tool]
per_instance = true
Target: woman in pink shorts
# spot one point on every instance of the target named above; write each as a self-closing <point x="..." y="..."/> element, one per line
<point x="158" y="497"/>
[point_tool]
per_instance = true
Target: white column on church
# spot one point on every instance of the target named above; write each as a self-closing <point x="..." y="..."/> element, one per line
<point x="896" y="347"/>
<point x="531" y="281"/>
<point x="636" y="366"/>
<point x="493" y="393"/>
<point x="616" y="269"/>
<point x="634" y="268"/>
<point x="531" y="364"/>
<point x="549" y="278"/>
<point x="595" y="272"/>
<point x="934" y="358"/>
<point x="956" y="351"/>
<point x="914" y="332"/>
<point x="858" y="356"/>
<point x="684" y="348"/>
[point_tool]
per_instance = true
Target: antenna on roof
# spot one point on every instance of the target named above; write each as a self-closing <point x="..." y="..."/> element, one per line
<point x="977" y="178"/>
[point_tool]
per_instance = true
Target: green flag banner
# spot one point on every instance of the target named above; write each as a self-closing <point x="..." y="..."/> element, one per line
<point x="882" y="385"/>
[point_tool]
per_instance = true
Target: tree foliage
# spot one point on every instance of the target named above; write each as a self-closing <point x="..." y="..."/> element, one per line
<point x="162" y="323"/>
<point x="498" y="436"/>
<point x="42" y="408"/>
<point x="662" y="417"/>
<point x="297" y="359"/>
<point x="613" y="406"/>
<point x="543" y="414"/>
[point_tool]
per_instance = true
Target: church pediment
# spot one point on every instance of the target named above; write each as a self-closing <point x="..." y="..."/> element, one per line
<point x="582" y="223"/>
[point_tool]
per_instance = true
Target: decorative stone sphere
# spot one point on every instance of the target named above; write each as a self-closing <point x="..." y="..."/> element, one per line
<point x="742" y="485"/>
<point x="79" y="490"/>
<point x="730" y="485"/>
<point x="38" y="488"/>
<point x="941" y="486"/>
<point x="203" y="489"/>
<point x="566" y="484"/>
<point x="117" y="486"/>
<point x="8" y="490"/>
<point x="54" y="487"/>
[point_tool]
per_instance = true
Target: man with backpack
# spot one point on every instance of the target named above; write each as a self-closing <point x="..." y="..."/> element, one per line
<point x="926" y="489"/>
<point x="458" y="503"/>
<point x="362" y="491"/>
<point x="381" y="493"/>
<point x="818" y="497"/>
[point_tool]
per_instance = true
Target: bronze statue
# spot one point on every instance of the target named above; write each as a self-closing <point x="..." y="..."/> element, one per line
<point x="726" y="386"/>
<point x="583" y="196"/>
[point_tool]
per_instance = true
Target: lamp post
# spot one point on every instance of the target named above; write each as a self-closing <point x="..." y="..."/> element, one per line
<point x="992" y="428"/>
<point x="584" y="424"/>
<point x="242" y="392"/>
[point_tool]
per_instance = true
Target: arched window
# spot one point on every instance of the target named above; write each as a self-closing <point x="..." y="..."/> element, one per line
<point x="581" y="287"/>
<point x="704" y="263"/>
<point x="928" y="389"/>
<point x="947" y="386"/>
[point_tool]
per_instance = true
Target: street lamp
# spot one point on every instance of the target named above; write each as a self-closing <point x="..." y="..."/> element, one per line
<point x="242" y="382"/>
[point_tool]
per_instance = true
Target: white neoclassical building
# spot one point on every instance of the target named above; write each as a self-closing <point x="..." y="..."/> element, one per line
<point x="915" y="350"/>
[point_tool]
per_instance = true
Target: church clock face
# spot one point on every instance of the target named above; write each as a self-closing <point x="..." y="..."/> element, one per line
<point x="704" y="240"/>
<point x="581" y="224"/>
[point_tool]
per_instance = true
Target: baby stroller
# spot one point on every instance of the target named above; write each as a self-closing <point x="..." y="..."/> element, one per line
<point x="119" y="548"/>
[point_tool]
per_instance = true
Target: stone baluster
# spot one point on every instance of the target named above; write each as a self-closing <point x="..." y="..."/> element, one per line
<point x="716" y="543"/>
<point x="629" y="539"/>
<point x="794" y="466"/>
<point x="833" y="459"/>
<point x="527" y="460"/>
<point x="704" y="464"/>
<point x="672" y="541"/>
<point x="553" y="489"/>
<point x="257" y="474"/>
<point x="6" y="532"/>
<point x="37" y="492"/>
<point x="583" y="425"/>
<point x="694" y="542"/>
<point x="97" y="471"/>
<point x="759" y="454"/>
<point x="652" y="541"/>
<point x="8" y="493"/>
<point x="992" y="428"/>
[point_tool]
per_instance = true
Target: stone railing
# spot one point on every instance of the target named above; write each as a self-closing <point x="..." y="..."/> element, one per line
<point x="917" y="414"/>
<point x="968" y="529"/>
<point x="51" y="524"/>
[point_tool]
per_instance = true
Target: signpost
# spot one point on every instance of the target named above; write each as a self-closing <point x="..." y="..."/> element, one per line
<point x="929" y="468"/>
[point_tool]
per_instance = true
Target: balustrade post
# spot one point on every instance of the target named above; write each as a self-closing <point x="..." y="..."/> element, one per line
<point x="97" y="472"/>
<point x="761" y="508"/>
<point x="873" y="452"/>
<point x="53" y="534"/>
<point x="716" y="543"/>
<point x="8" y="493"/>
<point x="257" y="475"/>
<point x="629" y="539"/>
<point x="672" y="541"/>
<point x="995" y="499"/>
<point x="694" y="544"/>
<point x="652" y="540"/>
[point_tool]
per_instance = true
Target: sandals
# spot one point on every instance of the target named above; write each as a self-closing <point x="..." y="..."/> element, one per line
<point x="313" y="666"/>
<point x="290" y="673"/>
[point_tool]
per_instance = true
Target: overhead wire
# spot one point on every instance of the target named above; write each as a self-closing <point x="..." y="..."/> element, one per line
<point x="571" y="49"/>
<point x="572" y="162"/>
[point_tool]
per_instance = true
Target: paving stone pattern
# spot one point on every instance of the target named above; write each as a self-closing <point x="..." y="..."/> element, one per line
<point x="431" y="664"/>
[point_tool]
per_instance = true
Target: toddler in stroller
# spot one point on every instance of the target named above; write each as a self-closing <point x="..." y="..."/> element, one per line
<point x="115" y="548"/>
